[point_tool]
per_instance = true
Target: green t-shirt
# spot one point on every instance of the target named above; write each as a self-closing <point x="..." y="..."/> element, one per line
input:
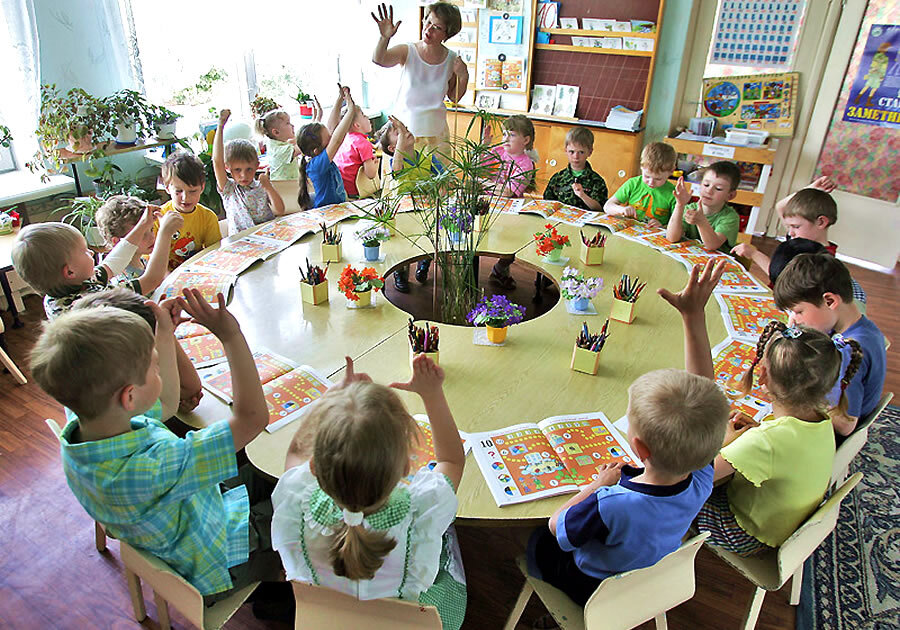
<point x="783" y="470"/>
<point x="726" y="222"/>
<point x="657" y="203"/>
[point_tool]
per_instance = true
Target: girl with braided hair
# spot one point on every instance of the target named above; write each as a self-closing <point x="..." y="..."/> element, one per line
<point x="781" y="467"/>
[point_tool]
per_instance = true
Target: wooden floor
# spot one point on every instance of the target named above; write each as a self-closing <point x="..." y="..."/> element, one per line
<point x="52" y="577"/>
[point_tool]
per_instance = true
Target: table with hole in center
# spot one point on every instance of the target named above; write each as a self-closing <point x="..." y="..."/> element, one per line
<point x="526" y="380"/>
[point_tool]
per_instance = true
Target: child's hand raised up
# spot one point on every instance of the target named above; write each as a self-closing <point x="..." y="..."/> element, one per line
<point x="224" y="115"/>
<point x="823" y="183"/>
<point x="350" y="376"/>
<point x="317" y="110"/>
<point x="427" y="378"/>
<point x="168" y="316"/>
<point x="682" y="192"/>
<point x="692" y="299"/>
<point x="219" y="321"/>
<point x="170" y="223"/>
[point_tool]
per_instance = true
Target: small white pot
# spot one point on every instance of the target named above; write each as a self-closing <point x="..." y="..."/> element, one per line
<point x="165" y="131"/>
<point x="126" y="133"/>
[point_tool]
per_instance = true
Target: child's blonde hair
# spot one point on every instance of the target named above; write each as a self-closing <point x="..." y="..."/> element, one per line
<point x="264" y="123"/>
<point x="240" y="150"/>
<point x="803" y="365"/>
<point x="118" y="297"/>
<point x="658" y="157"/>
<point x="582" y="136"/>
<point x="521" y="125"/>
<point x="383" y="137"/>
<point x="40" y="252"/>
<point x="309" y="141"/>
<point x="810" y="204"/>
<point x="680" y="416"/>
<point x="118" y="215"/>
<point x="363" y="437"/>
<point x="85" y="356"/>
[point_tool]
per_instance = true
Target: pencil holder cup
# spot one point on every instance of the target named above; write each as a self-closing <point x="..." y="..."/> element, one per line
<point x="314" y="293"/>
<point x="434" y="356"/>
<point x="592" y="255"/>
<point x="622" y="311"/>
<point x="583" y="360"/>
<point x="365" y="298"/>
<point x="482" y="222"/>
<point x="331" y="253"/>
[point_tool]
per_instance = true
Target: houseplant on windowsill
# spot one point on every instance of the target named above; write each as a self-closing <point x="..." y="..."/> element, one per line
<point x="305" y="102"/>
<point x="580" y="290"/>
<point x="497" y="313"/>
<point x="5" y="137"/>
<point x="131" y="114"/>
<point x="163" y="121"/>
<point x="371" y="237"/>
<point x="261" y="105"/>
<point x="358" y="285"/>
<point x="550" y="243"/>
<point x="81" y="211"/>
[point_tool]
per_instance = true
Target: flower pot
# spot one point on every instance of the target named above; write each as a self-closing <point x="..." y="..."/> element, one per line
<point x="331" y="253"/>
<point x="496" y="335"/>
<point x="126" y="133"/>
<point x="314" y="293"/>
<point x="554" y="254"/>
<point x="592" y="255"/>
<point x="482" y="222"/>
<point x="372" y="254"/>
<point x="622" y="311"/>
<point x="306" y="111"/>
<point x="365" y="298"/>
<point x="434" y="356"/>
<point x="581" y="303"/>
<point x="583" y="360"/>
<point x="165" y="131"/>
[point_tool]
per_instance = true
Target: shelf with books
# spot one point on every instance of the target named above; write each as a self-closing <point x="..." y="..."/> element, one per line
<point x="580" y="32"/>
<point x="601" y="51"/>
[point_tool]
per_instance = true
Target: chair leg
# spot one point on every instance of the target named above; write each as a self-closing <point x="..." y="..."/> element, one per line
<point x="11" y="366"/>
<point x="99" y="537"/>
<point x="162" y="611"/>
<point x="519" y="606"/>
<point x="796" y="583"/>
<point x="661" y="623"/>
<point x="754" y="608"/>
<point x="137" y="596"/>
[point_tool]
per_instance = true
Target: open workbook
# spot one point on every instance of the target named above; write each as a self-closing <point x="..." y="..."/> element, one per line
<point x="557" y="455"/>
<point x="288" y="387"/>
<point x="421" y="455"/>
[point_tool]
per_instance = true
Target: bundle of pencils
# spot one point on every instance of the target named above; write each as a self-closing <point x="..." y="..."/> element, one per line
<point x="594" y="343"/>
<point x="628" y="290"/>
<point x="599" y="240"/>
<point x="423" y="339"/>
<point x="330" y="236"/>
<point x="314" y="274"/>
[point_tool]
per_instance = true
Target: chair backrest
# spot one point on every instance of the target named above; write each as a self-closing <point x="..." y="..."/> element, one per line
<point x="796" y="549"/>
<point x="854" y="442"/>
<point x="223" y="227"/>
<point x="629" y="599"/>
<point x="320" y="608"/>
<point x="54" y="426"/>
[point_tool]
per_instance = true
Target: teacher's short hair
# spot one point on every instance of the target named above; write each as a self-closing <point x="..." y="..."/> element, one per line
<point x="449" y="15"/>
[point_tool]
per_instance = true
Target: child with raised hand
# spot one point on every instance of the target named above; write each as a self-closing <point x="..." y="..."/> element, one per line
<point x="343" y="518"/>
<point x="650" y="196"/>
<point x="247" y="202"/>
<point x="319" y="144"/>
<point x="710" y="220"/>
<point x="54" y="259"/>
<point x="677" y="421"/>
<point x="356" y="159"/>
<point x="516" y="172"/>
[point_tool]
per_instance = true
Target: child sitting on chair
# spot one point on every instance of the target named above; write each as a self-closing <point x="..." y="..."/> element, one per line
<point x="356" y="161"/>
<point x="710" y="220"/>
<point x="54" y="259"/>
<point x="676" y="422"/>
<point x="344" y="518"/>
<point x="649" y="197"/>
<point x="247" y="202"/>
<point x="149" y="488"/>
<point x="515" y="174"/>
<point x="578" y="184"/>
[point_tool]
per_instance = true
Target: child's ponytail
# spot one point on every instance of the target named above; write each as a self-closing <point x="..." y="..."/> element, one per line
<point x="309" y="141"/>
<point x="771" y="328"/>
<point x="856" y="357"/>
<point x="260" y="126"/>
<point x="303" y="198"/>
<point x="357" y="553"/>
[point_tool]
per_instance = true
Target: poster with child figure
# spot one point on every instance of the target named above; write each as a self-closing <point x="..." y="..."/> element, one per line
<point x="875" y="93"/>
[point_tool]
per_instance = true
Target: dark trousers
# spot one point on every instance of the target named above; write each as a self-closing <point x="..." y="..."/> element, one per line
<point x="547" y="562"/>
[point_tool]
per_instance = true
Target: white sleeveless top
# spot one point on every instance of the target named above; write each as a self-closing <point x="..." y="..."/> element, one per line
<point x="423" y="86"/>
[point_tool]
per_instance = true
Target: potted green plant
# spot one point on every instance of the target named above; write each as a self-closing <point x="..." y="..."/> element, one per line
<point x="497" y="314"/>
<point x="104" y="177"/>
<point x="304" y="101"/>
<point x="163" y="121"/>
<point x="261" y="105"/>
<point x="131" y="114"/>
<point x="81" y="211"/>
<point x="371" y="237"/>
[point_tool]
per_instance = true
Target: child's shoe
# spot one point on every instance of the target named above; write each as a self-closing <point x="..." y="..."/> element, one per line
<point x="401" y="280"/>
<point x="422" y="268"/>
<point x="500" y="275"/>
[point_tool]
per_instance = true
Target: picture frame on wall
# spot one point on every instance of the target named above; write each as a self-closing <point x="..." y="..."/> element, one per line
<point x="506" y="29"/>
<point x="487" y="100"/>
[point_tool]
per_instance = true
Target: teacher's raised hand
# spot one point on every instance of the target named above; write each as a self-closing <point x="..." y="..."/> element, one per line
<point x="385" y="21"/>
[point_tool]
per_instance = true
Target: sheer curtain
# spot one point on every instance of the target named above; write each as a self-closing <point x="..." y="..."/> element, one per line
<point x="20" y="75"/>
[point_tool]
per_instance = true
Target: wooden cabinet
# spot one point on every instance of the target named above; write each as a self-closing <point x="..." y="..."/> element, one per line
<point x="459" y="124"/>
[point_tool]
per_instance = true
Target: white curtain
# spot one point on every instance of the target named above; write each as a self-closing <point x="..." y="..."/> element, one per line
<point x="20" y="76"/>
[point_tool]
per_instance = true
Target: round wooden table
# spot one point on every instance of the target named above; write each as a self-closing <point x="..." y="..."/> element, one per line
<point x="488" y="388"/>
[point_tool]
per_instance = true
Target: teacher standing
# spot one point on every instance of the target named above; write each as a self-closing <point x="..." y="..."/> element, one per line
<point x="431" y="71"/>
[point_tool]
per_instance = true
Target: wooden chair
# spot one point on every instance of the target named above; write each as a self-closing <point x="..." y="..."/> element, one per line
<point x="320" y="608"/>
<point x="855" y="442"/>
<point x="769" y="571"/>
<point x="223" y="228"/>
<point x="621" y="601"/>
<point x="99" y="530"/>
<point x="6" y="361"/>
<point x="170" y="588"/>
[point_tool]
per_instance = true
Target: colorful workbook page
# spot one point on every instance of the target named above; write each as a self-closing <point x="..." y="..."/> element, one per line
<point x="637" y="231"/>
<point x="747" y="315"/>
<point x="238" y="256"/>
<point x="421" y="454"/>
<point x="208" y="281"/>
<point x="335" y="213"/>
<point x="288" y="396"/>
<point x="542" y="207"/>
<point x="269" y="365"/>
<point x="528" y="461"/>
<point x="506" y="205"/>
<point x="736" y="279"/>
<point x="731" y="359"/>
<point x="570" y="215"/>
<point x="611" y="223"/>
<point x="303" y="220"/>
<point x="692" y="247"/>
<point x="201" y="346"/>
<point x="658" y="241"/>
<point x="283" y="230"/>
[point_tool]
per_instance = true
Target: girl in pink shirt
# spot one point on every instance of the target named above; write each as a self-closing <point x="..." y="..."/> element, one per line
<point x="516" y="173"/>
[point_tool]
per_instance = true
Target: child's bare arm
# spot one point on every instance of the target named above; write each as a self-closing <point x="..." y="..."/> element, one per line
<point x="250" y="413"/>
<point x="168" y="316"/>
<point x="609" y="475"/>
<point x="675" y="230"/>
<point x="427" y="381"/>
<point x="589" y="201"/>
<point x="749" y="251"/>
<point x="842" y="423"/>
<point x="121" y="255"/>
<point x="691" y="303"/>
<point x="616" y="208"/>
<point x="157" y="266"/>
<point x="340" y="132"/>
<point x="334" y="116"/>
<point x="190" y="387"/>
<point x="370" y="168"/>
<point x="218" y="153"/>
<point x="274" y="196"/>
<point x="711" y="239"/>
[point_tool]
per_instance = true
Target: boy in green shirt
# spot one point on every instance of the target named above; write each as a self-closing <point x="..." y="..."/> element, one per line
<point x="710" y="220"/>
<point x="650" y="196"/>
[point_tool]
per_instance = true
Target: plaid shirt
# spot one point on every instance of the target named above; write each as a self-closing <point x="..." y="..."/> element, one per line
<point x="160" y="492"/>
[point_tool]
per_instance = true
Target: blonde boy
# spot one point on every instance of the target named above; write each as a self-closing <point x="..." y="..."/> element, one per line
<point x="710" y="220"/>
<point x="148" y="487"/>
<point x="677" y="422"/>
<point x="355" y="158"/>
<point x="578" y="184"/>
<point x="649" y="197"/>
<point x="54" y="259"/>
<point x="184" y="177"/>
<point x="247" y="202"/>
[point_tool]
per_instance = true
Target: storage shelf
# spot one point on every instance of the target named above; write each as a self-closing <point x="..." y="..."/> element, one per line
<point x="580" y="32"/>
<point x="743" y="197"/>
<point x="599" y="51"/>
<point x="760" y="155"/>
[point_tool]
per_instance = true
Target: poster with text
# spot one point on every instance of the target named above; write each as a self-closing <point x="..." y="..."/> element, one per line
<point x="875" y="93"/>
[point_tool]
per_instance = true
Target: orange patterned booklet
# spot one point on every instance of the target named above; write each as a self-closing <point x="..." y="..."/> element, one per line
<point x="208" y="281"/>
<point x="555" y="456"/>
<point x="237" y="256"/>
<point x="747" y="315"/>
<point x="288" y="387"/>
<point x="286" y="230"/>
<point x="736" y="279"/>
<point x="731" y="359"/>
<point x="201" y="346"/>
<point x="610" y="222"/>
<point x="421" y="454"/>
<point x="335" y="213"/>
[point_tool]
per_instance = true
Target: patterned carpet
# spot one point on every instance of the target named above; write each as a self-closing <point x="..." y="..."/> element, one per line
<point x="852" y="582"/>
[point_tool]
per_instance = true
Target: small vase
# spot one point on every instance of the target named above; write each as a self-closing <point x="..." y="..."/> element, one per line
<point x="622" y="311"/>
<point x="365" y="299"/>
<point x="126" y="133"/>
<point x="496" y="335"/>
<point x="314" y="293"/>
<point x="372" y="253"/>
<point x="583" y="360"/>
<point x="455" y="237"/>
<point x="331" y="253"/>
<point x="592" y="255"/>
<point x="554" y="254"/>
<point x="165" y="131"/>
<point x="580" y="303"/>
